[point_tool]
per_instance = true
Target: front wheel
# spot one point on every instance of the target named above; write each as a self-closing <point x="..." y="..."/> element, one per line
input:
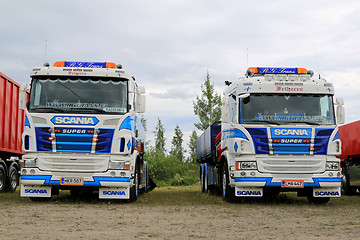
<point x="228" y="193"/>
<point x="134" y="190"/>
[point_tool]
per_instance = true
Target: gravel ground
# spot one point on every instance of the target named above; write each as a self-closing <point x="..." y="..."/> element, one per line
<point x="136" y="221"/>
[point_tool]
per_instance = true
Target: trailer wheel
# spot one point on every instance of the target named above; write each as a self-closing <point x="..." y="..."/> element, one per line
<point x="13" y="179"/>
<point x="228" y="193"/>
<point x="346" y="189"/>
<point x="134" y="190"/>
<point x="204" y="183"/>
<point x="3" y="178"/>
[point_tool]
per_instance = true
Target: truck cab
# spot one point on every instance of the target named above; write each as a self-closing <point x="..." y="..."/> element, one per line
<point x="279" y="133"/>
<point x="83" y="131"/>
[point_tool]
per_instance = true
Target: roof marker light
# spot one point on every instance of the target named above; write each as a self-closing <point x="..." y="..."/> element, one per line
<point x="276" y="70"/>
<point x="85" y="64"/>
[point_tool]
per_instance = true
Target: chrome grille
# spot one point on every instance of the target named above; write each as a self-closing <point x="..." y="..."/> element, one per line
<point x="73" y="164"/>
<point x="291" y="165"/>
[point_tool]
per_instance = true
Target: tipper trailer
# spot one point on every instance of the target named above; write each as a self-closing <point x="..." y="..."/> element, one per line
<point x="350" y="157"/>
<point x="278" y="132"/>
<point x="11" y="127"/>
<point x="83" y="132"/>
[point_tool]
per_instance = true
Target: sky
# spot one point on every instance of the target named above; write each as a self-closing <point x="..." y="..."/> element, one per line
<point x="169" y="46"/>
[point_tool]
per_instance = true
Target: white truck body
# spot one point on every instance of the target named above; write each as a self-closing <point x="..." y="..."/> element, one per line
<point x="83" y="131"/>
<point x="278" y="133"/>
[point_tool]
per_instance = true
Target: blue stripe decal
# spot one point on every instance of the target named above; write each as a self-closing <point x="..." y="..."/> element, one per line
<point x="128" y="123"/>
<point x="96" y="182"/>
<point x="268" y="180"/>
<point x="27" y="123"/>
<point x="233" y="133"/>
<point x="336" y="137"/>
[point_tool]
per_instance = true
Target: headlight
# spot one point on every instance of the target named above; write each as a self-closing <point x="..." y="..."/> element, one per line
<point x="332" y="166"/>
<point x="28" y="163"/>
<point x="119" y="165"/>
<point x="246" y="165"/>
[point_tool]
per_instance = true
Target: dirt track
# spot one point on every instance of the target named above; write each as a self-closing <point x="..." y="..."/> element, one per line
<point x="135" y="221"/>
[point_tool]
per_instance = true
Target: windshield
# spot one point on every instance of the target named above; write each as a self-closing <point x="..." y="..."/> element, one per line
<point x="287" y="109"/>
<point x="79" y="95"/>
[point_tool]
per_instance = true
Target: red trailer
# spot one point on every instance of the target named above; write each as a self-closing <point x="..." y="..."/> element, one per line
<point x="11" y="128"/>
<point x="349" y="135"/>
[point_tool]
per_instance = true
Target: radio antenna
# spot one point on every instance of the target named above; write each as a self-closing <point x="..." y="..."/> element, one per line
<point x="45" y="50"/>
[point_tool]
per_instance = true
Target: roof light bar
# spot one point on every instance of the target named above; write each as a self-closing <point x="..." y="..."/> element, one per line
<point x="85" y="64"/>
<point x="276" y="70"/>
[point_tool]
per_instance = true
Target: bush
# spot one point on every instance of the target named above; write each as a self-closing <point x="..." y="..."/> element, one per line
<point x="168" y="170"/>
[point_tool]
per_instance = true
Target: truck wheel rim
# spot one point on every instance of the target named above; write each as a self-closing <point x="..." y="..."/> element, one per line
<point x="136" y="183"/>
<point x="13" y="180"/>
<point x="2" y="179"/>
<point x="224" y="183"/>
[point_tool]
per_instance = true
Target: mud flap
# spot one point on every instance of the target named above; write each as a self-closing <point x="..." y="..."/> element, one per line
<point x="35" y="191"/>
<point x="152" y="184"/>
<point x="114" y="193"/>
<point x="248" y="192"/>
<point x="327" y="192"/>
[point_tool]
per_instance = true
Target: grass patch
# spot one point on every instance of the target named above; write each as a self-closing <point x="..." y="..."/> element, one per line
<point x="187" y="196"/>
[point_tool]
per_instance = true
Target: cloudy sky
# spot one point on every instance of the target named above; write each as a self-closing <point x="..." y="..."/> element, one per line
<point x="170" y="45"/>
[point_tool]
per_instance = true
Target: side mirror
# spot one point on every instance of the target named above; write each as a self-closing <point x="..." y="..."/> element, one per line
<point x="340" y="111"/>
<point x="140" y="103"/>
<point x="23" y="96"/>
<point x="141" y="89"/>
<point x="225" y="110"/>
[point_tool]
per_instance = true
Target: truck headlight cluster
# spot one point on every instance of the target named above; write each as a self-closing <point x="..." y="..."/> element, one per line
<point x="119" y="165"/>
<point x="246" y="165"/>
<point x="28" y="163"/>
<point x="332" y="166"/>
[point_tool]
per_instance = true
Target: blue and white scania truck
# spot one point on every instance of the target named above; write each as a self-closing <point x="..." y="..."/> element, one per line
<point x="278" y="133"/>
<point x="83" y="132"/>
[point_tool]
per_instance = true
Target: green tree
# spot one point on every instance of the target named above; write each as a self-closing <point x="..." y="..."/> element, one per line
<point x="192" y="147"/>
<point x="207" y="106"/>
<point x="177" y="148"/>
<point x="160" y="138"/>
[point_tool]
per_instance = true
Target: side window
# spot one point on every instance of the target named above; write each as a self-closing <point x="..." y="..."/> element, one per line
<point x="233" y="108"/>
<point x="131" y="96"/>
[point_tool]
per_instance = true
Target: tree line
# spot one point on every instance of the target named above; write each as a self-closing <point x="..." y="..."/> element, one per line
<point x="173" y="168"/>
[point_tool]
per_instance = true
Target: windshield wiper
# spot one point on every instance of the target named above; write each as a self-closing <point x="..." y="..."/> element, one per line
<point x="310" y="123"/>
<point x="266" y="121"/>
<point x="48" y="108"/>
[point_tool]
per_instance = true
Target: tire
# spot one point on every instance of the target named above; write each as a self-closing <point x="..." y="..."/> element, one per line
<point x="13" y="179"/>
<point x="228" y="193"/>
<point x="134" y="190"/>
<point x="318" y="200"/>
<point x="204" y="183"/>
<point x="147" y="180"/>
<point x="346" y="189"/>
<point x="3" y="178"/>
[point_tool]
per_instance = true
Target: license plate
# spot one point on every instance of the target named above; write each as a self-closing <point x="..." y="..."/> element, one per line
<point x="72" y="181"/>
<point x="292" y="183"/>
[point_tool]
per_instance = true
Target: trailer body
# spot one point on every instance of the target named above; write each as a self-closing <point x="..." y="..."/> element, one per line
<point x="350" y="157"/>
<point x="11" y="127"/>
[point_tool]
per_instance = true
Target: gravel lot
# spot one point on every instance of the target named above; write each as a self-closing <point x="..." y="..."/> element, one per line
<point x="102" y="220"/>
